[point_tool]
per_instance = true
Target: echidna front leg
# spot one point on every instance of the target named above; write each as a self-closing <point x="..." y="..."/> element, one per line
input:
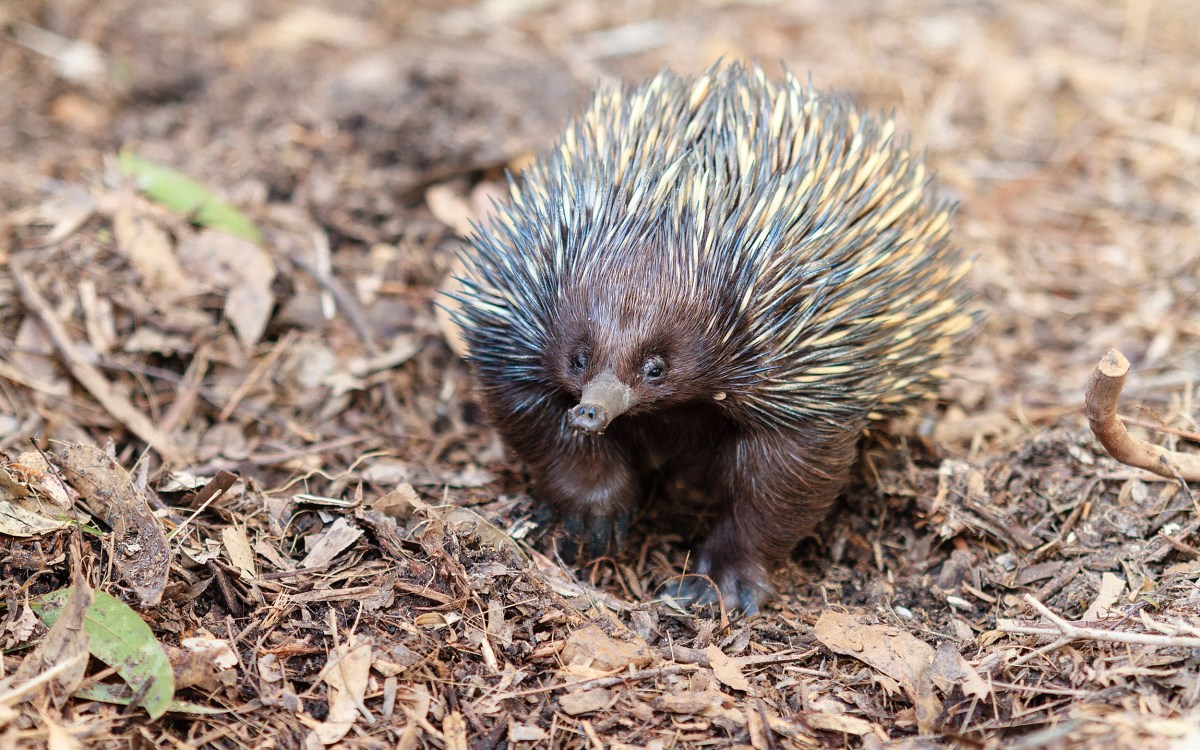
<point x="775" y="489"/>
<point x="590" y="485"/>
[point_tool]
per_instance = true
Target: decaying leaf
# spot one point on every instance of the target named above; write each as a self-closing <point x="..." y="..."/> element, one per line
<point x="237" y="546"/>
<point x="140" y="550"/>
<point x="331" y="543"/>
<point x="894" y="652"/>
<point x="204" y="662"/>
<point x="726" y="669"/>
<point x="32" y="355"/>
<point x="1111" y="588"/>
<point x="593" y="647"/>
<point x="586" y="701"/>
<point x="835" y="722"/>
<point x="241" y="270"/>
<point x="149" y="249"/>
<point x="65" y="647"/>
<point x="454" y="731"/>
<point x="346" y="675"/>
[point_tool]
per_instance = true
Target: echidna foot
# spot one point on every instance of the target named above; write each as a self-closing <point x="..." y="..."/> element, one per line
<point x="742" y="587"/>
<point x="590" y="534"/>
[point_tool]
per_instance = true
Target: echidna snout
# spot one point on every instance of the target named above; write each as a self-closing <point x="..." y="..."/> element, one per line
<point x="589" y="417"/>
<point x="604" y="399"/>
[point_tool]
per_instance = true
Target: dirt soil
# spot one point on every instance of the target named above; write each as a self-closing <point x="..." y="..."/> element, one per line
<point x="330" y="544"/>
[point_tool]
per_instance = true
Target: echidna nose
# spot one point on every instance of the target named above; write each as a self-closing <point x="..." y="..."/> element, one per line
<point x="604" y="399"/>
<point x="589" y="418"/>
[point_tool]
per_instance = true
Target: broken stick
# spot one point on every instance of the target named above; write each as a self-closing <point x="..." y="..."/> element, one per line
<point x="1100" y="405"/>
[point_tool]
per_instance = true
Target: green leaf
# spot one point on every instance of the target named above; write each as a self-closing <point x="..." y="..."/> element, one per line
<point x="120" y="695"/>
<point x="121" y="639"/>
<point x="179" y="192"/>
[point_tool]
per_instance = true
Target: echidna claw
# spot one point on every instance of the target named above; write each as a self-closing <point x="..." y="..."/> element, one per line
<point x="592" y="535"/>
<point x="699" y="591"/>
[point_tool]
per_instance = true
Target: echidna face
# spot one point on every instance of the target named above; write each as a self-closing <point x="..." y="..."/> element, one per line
<point x="633" y="354"/>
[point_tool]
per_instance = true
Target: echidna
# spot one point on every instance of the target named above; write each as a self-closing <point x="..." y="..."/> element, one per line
<point x="729" y="276"/>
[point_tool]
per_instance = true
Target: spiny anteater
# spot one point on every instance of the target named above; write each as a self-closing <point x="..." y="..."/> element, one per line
<point x="728" y="275"/>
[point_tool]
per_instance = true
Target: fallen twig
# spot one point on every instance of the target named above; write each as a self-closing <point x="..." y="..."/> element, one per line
<point x="603" y="682"/>
<point x="1100" y="405"/>
<point x="1064" y="631"/>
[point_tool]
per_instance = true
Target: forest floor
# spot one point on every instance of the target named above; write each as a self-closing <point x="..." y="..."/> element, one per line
<point x="327" y="543"/>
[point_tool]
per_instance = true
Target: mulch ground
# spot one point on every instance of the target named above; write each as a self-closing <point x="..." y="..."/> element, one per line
<point x="329" y="545"/>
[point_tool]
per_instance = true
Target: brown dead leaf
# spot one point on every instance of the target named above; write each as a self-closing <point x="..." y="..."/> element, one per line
<point x="592" y="646"/>
<point x="894" y="652"/>
<point x="400" y="503"/>
<point x="726" y="669"/>
<point x="242" y="270"/>
<point x="140" y="551"/>
<point x="950" y="668"/>
<point x="944" y="670"/>
<point x="451" y="207"/>
<point x="32" y="500"/>
<point x="525" y="732"/>
<point x="462" y="520"/>
<point x="586" y="701"/>
<point x="30" y="476"/>
<point x="331" y="543"/>
<point x="454" y="731"/>
<point x="269" y="668"/>
<point x="66" y="211"/>
<point x="237" y="546"/>
<point x="710" y="702"/>
<point x="248" y="308"/>
<point x="1111" y="588"/>
<point x="148" y="248"/>
<point x="59" y="737"/>
<point x="844" y="723"/>
<point x="23" y="519"/>
<point x="204" y="662"/>
<point x="21" y="627"/>
<point x="33" y="354"/>
<point x="65" y="647"/>
<point x="415" y="701"/>
<point x="973" y="684"/>
<point x="347" y="675"/>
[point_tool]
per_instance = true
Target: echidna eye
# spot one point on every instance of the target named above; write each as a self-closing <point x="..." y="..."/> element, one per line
<point x="578" y="361"/>
<point x="654" y="368"/>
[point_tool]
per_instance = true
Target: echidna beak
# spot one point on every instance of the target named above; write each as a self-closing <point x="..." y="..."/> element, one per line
<point x="604" y="399"/>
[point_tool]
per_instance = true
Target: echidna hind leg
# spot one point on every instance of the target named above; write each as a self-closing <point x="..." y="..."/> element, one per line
<point x="776" y="488"/>
<point x="742" y="582"/>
